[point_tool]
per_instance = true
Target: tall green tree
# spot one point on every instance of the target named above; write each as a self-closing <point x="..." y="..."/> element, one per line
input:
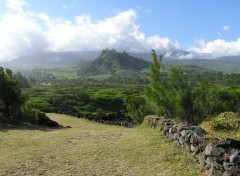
<point x="157" y="94"/>
<point x="182" y="95"/>
<point x="137" y="108"/>
<point x="22" y="80"/>
<point x="10" y="94"/>
<point x="207" y="97"/>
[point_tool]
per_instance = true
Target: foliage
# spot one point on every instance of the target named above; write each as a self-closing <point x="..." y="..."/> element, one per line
<point x="38" y="104"/>
<point x="207" y="97"/>
<point x="156" y="92"/>
<point x="114" y="82"/>
<point x="82" y="98"/>
<point x="137" y="108"/>
<point x="10" y="94"/>
<point x="15" y="105"/>
<point x="226" y="121"/>
<point x="43" y="77"/>
<point x="182" y="95"/>
<point x="190" y="98"/>
<point x="21" y="80"/>
<point x="229" y="99"/>
<point x="35" y="117"/>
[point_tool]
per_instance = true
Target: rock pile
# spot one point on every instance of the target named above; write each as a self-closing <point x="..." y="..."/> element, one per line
<point x="217" y="156"/>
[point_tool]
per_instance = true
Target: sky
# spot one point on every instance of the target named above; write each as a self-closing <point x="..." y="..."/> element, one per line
<point x="198" y="26"/>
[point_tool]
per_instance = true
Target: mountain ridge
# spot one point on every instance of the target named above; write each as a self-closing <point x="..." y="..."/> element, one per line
<point x="49" y="60"/>
<point x="110" y="61"/>
<point x="55" y="60"/>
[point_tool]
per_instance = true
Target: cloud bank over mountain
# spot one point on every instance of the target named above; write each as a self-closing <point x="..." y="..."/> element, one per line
<point x="30" y="32"/>
<point x="27" y="32"/>
<point x="219" y="48"/>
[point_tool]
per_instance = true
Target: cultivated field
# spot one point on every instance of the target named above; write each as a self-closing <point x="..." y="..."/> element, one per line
<point x="90" y="149"/>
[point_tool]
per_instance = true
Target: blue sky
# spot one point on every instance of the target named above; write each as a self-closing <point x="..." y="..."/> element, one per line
<point x="182" y="20"/>
<point x="199" y="26"/>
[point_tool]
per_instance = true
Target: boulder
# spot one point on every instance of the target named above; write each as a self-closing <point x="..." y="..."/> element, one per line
<point x="208" y="150"/>
<point x="217" y="152"/>
<point x="234" y="158"/>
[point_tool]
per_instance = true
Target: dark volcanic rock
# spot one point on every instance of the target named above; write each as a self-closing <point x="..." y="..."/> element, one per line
<point x="219" y="157"/>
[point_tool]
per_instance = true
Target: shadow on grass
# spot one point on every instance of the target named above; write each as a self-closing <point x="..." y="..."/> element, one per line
<point x="13" y="124"/>
<point x="28" y="127"/>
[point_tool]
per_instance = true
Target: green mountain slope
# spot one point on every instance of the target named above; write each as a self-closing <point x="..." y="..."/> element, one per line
<point x="110" y="61"/>
<point x="223" y="65"/>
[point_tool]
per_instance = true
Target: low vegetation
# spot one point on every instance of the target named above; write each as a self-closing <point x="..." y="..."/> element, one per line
<point x="226" y="121"/>
<point x="224" y="125"/>
<point x="82" y="98"/>
<point x="90" y="148"/>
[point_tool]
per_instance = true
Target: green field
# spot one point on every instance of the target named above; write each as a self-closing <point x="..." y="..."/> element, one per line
<point x="90" y="148"/>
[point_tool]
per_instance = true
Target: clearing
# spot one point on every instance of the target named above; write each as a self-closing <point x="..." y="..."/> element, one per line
<point x="90" y="149"/>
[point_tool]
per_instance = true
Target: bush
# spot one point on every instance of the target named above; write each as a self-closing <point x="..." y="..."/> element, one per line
<point x="38" y="104"/>
<point x="36" y="117"/>
<point x="226" y="121"/>
<point x="137" y="108"/>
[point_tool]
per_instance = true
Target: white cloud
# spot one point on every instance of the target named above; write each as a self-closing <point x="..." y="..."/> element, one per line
<point x="84" y="34"/>
<point x="27" y="32"/>
<point x="226" y="28"/>
<point x="30" y="32"/>
<point x="16" y="5"/>
<point x="218" y="48"/>
<point x="21" y="35"/>
<point x="83" y="19"/>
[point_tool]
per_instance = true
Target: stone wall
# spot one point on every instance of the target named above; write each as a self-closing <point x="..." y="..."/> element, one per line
<point x="119" y="119"/>
<point x="217" y="156"/>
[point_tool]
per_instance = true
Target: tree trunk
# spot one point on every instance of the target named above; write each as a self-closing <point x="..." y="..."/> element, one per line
<point x="6" y="112"/>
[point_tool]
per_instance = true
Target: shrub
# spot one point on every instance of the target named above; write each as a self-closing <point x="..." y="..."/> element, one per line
<point x="38" y="104"/>
<point x="226" y="121"/>
<point x="137" y="108"/>
<point x="36" y="117"/>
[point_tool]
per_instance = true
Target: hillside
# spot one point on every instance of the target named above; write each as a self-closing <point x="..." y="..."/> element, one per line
<point x="225" y="65"/>
<point x="49" y="60"/>
<point x="90" y="148"/>
<point x="228" y="64"/>
<point x="111" y="61"/>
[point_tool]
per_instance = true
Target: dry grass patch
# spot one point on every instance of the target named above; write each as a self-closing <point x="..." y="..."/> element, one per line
<point x="90" y="148"/>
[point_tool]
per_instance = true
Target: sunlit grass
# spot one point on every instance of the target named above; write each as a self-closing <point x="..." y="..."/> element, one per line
<point x="90" y="148"/>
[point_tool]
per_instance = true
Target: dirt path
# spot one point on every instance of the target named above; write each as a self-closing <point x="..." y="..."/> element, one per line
<point x="90" y="149"/>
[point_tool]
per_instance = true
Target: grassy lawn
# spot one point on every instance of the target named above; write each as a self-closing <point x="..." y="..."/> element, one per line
<point x="90" y="148"/>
